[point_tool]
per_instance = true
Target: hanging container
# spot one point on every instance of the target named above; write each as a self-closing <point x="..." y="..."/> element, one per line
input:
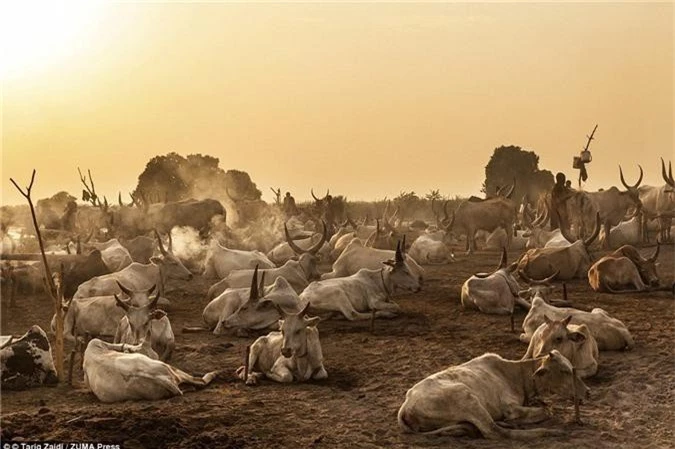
<point x="576" y="163"/>
<point x="586" y="157"/>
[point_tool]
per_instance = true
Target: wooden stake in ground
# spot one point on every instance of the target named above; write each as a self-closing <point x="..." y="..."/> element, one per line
<point x="49" y="281"/>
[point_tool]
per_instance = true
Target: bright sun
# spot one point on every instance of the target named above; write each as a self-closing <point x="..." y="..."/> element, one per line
<point x="37" y="34"/>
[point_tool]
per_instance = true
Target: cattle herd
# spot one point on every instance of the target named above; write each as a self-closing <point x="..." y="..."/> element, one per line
<point x="117" y="297"/>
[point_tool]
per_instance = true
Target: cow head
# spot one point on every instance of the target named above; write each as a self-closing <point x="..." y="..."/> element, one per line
<point x="536" y="234"/>
<point x="172" y="266"/>
<point x="632" y="191"/>
<point x="582" y="245"/>
<point x="645" y="266"/>
<point x="541" y="288"/>
<point x="294" y="329"/>
<point x="308" y="258"/>
<point x="556" y="335"/>
<point x="259" y="312"/>
<point x="398" y="274"/>
<point x="140" y="317"/>
<point x="556" y="373"/>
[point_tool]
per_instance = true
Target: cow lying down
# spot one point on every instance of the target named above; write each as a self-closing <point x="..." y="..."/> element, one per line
<point x="487" y="389"/>
<point x="27" y="362"/>
<point x="292" y="353"/>
<point x="609" y="333"/>
<point x="116" y="372"/>
<point x="575" y="342"/>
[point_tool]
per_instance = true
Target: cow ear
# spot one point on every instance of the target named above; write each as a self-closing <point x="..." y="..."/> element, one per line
<point x="577" y="337"/>
<point x="312" y="322"/>
<point x="157" y="314"/>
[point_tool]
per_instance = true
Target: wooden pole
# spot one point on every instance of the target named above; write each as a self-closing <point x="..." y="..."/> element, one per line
<point x="52" y="290"/>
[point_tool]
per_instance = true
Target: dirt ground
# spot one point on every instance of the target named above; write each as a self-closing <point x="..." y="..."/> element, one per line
<point x="631" y="404"/>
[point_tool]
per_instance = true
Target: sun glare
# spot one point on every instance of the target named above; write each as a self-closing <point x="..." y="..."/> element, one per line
<point x="36" y="35"/>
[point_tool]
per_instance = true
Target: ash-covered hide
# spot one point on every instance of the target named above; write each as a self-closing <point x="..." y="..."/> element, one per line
<point x="27" y="362"/>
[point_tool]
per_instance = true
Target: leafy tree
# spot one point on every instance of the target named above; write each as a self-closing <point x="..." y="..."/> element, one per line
<point x="509" y="162"/>
<point x="433" y="195"/>
<point x="172" y="177"/>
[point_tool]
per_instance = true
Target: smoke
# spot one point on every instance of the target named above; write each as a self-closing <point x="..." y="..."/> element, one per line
<point x="189" y="247"/>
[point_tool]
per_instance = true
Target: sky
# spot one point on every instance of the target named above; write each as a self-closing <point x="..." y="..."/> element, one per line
<point x="367" y="99"/>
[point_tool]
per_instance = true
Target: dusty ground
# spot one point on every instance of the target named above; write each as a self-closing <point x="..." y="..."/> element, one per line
<point x="632" y="396"/>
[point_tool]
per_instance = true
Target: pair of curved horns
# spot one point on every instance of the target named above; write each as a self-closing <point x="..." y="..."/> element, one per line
<point x="545" y="281"/>
<point x="500" y="192"/>
<point x="161" y="246"/>
<point x="625" y="184"/>
<point x="317" y="199"/>
<point x="314" y="249"/>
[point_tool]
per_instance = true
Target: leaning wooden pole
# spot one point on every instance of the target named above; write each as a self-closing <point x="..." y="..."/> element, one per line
<point x="49" y="280"/>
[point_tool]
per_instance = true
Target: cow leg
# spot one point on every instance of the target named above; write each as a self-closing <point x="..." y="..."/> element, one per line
<point x="320" y="373"/>
<point x="518" y="414"/>
<point x="280" y="371"/>
<point x="350" y="313"/>
<point x="185" y="378"/>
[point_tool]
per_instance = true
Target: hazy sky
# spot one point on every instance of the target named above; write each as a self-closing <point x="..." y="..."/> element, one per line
<point x="367" y="99"/>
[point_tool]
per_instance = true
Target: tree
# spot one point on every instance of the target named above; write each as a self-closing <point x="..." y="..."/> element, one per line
<point x="172" y="177"/>
<point x="511" y="162"/>
<point x="433" y="195"/>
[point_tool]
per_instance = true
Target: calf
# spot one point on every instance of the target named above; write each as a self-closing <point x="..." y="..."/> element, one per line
<point x="27" y="362"/>
<point x="609" y="333"/>
<point x="368" y="290"/>
<point x="573" y="341"/>
<point x="428" y="250"/>
<point x="116" y="372"/>
<point x="293" y="353"/>
<point x="487" y="389"/>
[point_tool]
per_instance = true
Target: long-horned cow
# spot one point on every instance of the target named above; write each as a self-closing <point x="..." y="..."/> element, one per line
<point x="659" y="203"/>
<point x="568" y="262"/>
<point x="624" y="270"/>
<point x="292" y="353"/>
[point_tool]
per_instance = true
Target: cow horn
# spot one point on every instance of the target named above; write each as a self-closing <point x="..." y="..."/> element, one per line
<point x="545" y="281"/>
<point x="403" y="247"/>
<point x="119" y="199"/>
<point x="482" y="275"/>
<point x="125" y="290"/>
<point x="596" y="231"/>
<point x="324" y="235"/>
<point x="170" y="249"/>
<point x="670" y="173"/>
<point x="623" y="180"/>
<point x="663" y="172"/>
<point x="78" y="248"/>
<point x="656" y="253"/>
<point x="511" y="190"/>
<point x="399" y="255"/>
<point x="253" y="293"/>
<point x="314" y="196"/>
<point x="261" y="285"/>
<point x="377" y="226"/>
<point x="446" y="217"/>
<point x="159" y="240"/>
<point x="152" y="289"/>
<point x="502" y="261"/>
<point x="305" y="309"/>
<point x="448" y="227"/>
<point x="296" y="249"/>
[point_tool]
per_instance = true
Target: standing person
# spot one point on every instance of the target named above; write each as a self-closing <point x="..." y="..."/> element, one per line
<point x="290" y="208"/>
<point x="559" y="195"/>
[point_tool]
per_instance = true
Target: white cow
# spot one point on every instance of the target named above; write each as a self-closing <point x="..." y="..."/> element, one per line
<point x="426" y="249"/>
<point x="137" y="276"/>
<point x="498" y="239"/>
<point x="221" y="261"/>
<point x="292" y="353"/>
<point x="115" y="256"/>
<point x="485" y="390"/>
<point x="357" y="256"/>
<point x="116" y="372"/>
<point x="497" y="292"/>
<point x="142" y="320"/>
<point x="573" y="341"/>
<point x="368" y="290"/>
<point x="625" y="233"/>
<point x="283" y="252"/>
<point x="609" y="333"/>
